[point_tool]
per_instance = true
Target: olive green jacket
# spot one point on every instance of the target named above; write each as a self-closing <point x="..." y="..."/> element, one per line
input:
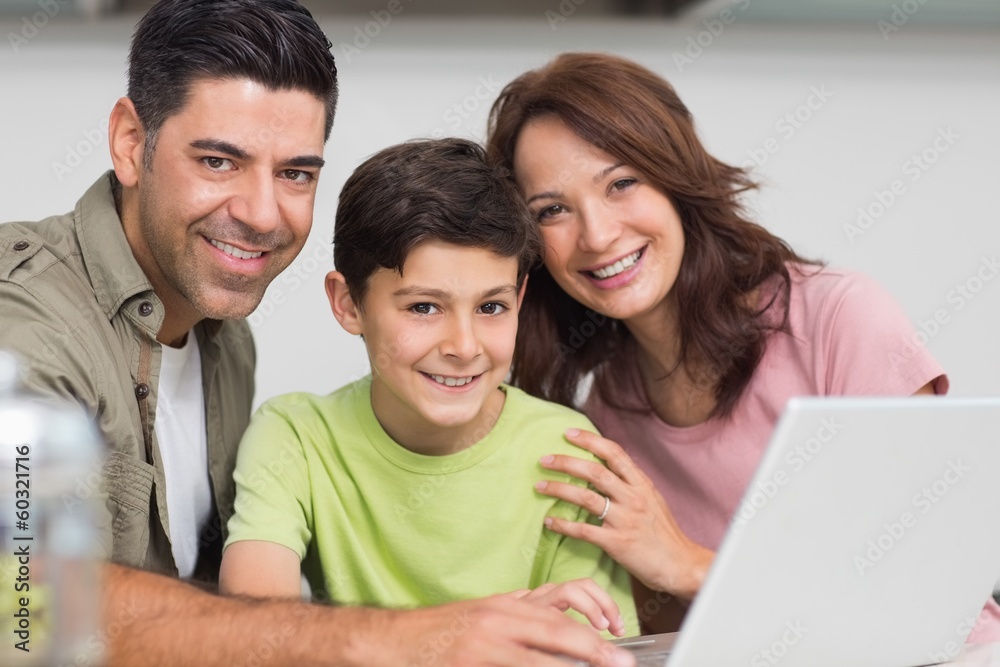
<point x="80" y="313"/>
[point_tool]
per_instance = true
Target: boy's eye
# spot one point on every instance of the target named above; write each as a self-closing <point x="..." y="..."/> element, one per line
<point x="423" y="308"/>
<point x="492" y="308"/>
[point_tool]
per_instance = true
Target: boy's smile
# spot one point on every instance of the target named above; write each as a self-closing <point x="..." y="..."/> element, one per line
<point x="440" y="339"/>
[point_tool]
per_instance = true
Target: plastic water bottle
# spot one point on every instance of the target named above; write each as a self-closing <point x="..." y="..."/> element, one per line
<point x="50" y="464"/>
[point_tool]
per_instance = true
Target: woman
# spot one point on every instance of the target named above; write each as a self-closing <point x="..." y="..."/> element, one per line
<point x="697" y="324"/>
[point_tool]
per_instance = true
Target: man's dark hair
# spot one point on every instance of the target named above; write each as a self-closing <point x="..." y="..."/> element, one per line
<point x="275" y="43"/>
<point x="433" y="189"/>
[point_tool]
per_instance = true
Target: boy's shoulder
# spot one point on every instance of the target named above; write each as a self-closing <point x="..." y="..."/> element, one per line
<point x="302" y="405"/>
<point x="545" y="420"/>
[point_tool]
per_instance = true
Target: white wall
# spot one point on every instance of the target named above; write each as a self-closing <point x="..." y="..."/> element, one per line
<point x="889" y="99"/>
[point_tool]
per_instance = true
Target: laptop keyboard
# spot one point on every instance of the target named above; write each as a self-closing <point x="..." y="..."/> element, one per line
<point x="655" y="660"/>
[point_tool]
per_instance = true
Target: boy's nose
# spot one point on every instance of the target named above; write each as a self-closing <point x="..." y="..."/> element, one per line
<point x="461" y="341"/>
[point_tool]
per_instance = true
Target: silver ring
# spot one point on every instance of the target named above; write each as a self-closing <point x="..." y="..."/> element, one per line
<point x="607" y="506"/>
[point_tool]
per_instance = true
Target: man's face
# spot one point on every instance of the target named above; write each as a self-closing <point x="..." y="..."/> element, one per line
<point x="227" y="201"/>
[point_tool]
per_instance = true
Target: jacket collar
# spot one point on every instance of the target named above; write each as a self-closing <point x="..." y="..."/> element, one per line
<point x="114" y="272"/>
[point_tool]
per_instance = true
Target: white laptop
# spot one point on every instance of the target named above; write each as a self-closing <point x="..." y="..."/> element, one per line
<point x="868" y="537"/>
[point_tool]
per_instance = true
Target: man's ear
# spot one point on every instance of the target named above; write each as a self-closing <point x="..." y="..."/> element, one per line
<point x="342" y="305"/>
<point x="126" y="138"/>
<point x="520" y="293"/>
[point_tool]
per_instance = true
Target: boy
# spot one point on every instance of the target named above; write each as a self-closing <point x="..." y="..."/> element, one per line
<point x="413" y="486"/>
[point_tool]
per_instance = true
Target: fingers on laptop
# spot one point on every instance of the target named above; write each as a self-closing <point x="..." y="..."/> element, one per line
<point x="502" y="631"/>
<point x="585" y="597"/>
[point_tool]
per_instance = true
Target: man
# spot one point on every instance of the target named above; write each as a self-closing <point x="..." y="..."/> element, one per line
<point x="132" y="307"/>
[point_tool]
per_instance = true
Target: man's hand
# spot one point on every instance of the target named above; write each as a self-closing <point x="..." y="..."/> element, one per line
<point x="499" y="631"/>
<point x="172" y="623"/>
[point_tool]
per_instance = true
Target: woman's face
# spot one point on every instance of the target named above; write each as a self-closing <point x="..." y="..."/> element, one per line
<point x="613" y="240"/>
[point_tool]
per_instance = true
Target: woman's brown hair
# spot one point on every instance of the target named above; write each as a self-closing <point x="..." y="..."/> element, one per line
<point x="635" y="116"/>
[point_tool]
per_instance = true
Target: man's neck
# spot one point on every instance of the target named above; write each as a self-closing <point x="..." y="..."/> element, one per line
<point x="179" y="317"/>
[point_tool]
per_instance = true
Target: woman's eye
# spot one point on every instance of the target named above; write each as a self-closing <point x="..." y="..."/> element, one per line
<point x="623" y="183"/>
<point x="550" y="211"/>
<point x="492" y="308"/>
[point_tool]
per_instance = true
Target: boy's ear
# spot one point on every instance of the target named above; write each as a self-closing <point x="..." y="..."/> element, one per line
<point x="341" y="303"/>
<point x="126" y="138"/>
<point x="520" y="293"/>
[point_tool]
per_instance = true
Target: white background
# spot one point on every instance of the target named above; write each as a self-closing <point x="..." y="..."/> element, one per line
<point x="890" y="96"/>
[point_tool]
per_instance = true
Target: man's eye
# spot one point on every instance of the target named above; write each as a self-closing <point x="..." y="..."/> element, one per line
<point x="218" y="163"/>
<point x="298" y="175"/>
<point x="493" y="308"/>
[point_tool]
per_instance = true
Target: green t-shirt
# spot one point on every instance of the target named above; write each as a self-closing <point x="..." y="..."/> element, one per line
<point x="377" y="524"/>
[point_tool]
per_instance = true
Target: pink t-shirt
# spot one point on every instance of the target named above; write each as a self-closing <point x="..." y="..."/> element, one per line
<point x="848" y="337"/>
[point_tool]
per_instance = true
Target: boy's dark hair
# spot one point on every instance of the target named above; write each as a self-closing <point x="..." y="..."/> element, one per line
<point x="434" y="189"/>
<point x="275" y="43"/>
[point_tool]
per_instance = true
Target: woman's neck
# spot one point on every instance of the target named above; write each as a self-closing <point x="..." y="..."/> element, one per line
<point x="681" y="394"/>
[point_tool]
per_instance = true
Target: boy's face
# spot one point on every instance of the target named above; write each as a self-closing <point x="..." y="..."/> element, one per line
<point x="440" y="340"/>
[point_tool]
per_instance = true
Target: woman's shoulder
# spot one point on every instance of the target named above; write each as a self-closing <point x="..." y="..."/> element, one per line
<point x="821" y="292"/>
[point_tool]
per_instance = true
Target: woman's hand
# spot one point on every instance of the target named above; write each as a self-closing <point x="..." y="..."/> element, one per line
<point x="639" y="530"/>
<point x="582" y="595"/>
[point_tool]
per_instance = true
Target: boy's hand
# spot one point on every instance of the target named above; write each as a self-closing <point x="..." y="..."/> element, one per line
<point x="581" y="595"/>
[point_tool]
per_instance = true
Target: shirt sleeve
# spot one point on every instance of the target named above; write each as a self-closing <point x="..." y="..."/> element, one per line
<point x="54" y="365"/>
<point x="868" y="346"/>
<point x="560" y="558"/>
<point x="575" y="559"/>
<point x="53" y="361"/>
<point x="272" y="484"/>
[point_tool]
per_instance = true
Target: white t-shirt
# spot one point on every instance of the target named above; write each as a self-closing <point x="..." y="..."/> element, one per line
<point x="183" y="444"/>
